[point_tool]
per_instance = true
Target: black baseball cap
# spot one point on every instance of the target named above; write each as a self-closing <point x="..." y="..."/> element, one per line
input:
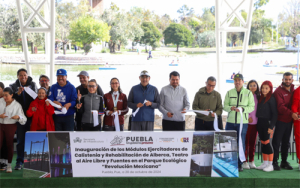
<point x="240" y="76"/>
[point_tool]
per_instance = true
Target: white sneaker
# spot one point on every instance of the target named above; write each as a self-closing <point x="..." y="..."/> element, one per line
<point x="252" y="165"/>
<point x="262" y="166"/>
<point x="246" y="165"/>
<point x="269" y="168"/>
<point x="8" y="169"/>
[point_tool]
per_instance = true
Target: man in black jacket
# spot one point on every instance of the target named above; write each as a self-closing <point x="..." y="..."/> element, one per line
<point x="24" y="99"/>
<point x="83" y="90"/>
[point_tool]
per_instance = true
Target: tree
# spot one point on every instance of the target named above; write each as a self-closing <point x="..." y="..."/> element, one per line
<point x="177" y="34"/>
<point x="151" y="34"/>
<point x="86" y="30"/>
<point x="206" y="39"/>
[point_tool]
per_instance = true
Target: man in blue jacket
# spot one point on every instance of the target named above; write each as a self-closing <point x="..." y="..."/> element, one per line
<point x="63" y="93"/>
<point x="145" y="97"/>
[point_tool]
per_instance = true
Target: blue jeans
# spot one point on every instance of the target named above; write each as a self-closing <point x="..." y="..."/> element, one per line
<point x="21" y="131"/>
<point x="64" y="123"/>
<point x="236" y="127"/>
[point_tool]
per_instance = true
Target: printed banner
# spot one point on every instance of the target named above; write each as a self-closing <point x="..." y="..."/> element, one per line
<point x="132" y="154"/>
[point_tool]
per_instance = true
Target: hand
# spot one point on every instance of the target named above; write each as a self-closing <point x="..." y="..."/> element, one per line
<point x="233" y="108"/>
<point x="47" y="103"/>
<point x="139" y="105"/>
<point x="67" y="106"/>
<point x="270" y="131"/>
<point x="295" y="116"/>
<point x="169" y="114"/>
<point x="110" y="113"/>
<point x="183" y="111"/>
<point x="33" y="109"/>
<point x="237" y="110"/>
<point x="148" y="103"/>
<point x="3" y="116"/>
<point x="207" y="110"/>
<point x="212" y="115"/>
<point x="250" y="120"/>
<point x="78" y="95"/>
<point x="78" y="106"/>
<point x="58" y="103"/>
<point x="21" y="89"/>
<point x="15" y="117"/>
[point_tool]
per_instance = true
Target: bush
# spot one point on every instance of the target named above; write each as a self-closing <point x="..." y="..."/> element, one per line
<point x="5" y="46"/>
<point x="103" y="50"/>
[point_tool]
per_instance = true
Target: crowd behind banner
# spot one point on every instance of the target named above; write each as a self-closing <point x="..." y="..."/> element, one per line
<point x="251" y="111"/>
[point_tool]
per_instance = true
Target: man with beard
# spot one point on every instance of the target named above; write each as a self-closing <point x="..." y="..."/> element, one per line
<point x="283" y="128"/>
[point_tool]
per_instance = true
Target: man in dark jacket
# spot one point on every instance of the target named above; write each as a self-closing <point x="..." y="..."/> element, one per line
<point x="24" y="99"/>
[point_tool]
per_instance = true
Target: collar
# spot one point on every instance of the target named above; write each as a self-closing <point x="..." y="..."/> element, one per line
<point x="173" y="87"/>
<point x="115" y="93"/>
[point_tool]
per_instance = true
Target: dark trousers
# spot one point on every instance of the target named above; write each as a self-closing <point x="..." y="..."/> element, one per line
<point x="201" y="125"/>
<point x="90" y="127"/>
<point x="282" y="135"/>
<point x="173" y="125"/>
<point x="21" y="131"/>
<point x="262" y="128"/>
<point x="9" y="131"/>
<point x="111" y="128"/>
<point x="64" y="123"/>
<point x="250" y="142"/>
<point x="3" y="151"/>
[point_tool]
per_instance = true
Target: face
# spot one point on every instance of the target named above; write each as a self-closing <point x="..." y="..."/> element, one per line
<point x="265" y="89"/>
<point x="210" y="86"/>
<point x="7" y="97"/>
<point x="114" y="84"/>
<point x="174" y="81"/>
<point x="62" y="80"/>
<point x="252" y="87"/>
<point x="44" y="82"/>
<point x="41" y="94"/>
<point x="83" y="79"/>
<point x="238" y="83"/>
<point x="22" y="76"/>
<point x="92" y="87"/>
<point x="144" y="80"/>
<point x="287" y="81"/>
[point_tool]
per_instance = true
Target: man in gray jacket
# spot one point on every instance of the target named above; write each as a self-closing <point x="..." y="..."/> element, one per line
<point x="174" y="101"/>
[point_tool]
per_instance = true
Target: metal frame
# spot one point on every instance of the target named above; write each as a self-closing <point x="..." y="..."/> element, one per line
<point x="48" y="27"/>
<point x="222" y="27"/>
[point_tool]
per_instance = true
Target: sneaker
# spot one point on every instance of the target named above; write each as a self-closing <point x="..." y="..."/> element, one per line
<point x="262" y="166"/>
<point x="8" y="169"/>
<point x="286" y="165"/>
<point x="240" y="168"/>
<point x="275" y="166"/>
<point x="252" y="165"/>
<point x="269" y="168"/>
<point x="18" y="167"/>
<point x="3" y="166"/>
<point x="246" y="165"/>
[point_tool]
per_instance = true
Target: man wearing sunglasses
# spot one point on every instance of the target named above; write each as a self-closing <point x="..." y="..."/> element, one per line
<point x="144" y="97"/>
<point x="45" y="83"/>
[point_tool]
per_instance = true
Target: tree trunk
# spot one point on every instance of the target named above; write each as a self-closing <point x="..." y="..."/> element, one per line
<point x="114" y="47"/>
<point x="110" y="45"/>
<point x="119" y="47"/>
<point x="146" y="48"/>
<point x="64" y="48"/>
<point x="32" y="50"/>
<point x="177" y="47"/>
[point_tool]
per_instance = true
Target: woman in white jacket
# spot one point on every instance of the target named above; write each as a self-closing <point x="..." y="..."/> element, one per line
<point x="10" y="113"/>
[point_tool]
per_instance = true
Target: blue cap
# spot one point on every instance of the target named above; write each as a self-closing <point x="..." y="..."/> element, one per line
<point x="61" y="72"/>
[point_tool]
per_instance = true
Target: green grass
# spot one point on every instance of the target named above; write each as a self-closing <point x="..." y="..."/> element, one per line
<point x="27" y="173"/>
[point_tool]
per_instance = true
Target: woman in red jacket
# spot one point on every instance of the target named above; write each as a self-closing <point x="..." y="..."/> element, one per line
<point x="41" y="112"/>
<point x="296" y="109"/>
<point x="114" y="101"/>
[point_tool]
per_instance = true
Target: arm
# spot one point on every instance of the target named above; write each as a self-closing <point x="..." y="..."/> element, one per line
<point x="51" y="96"/>
<point x="99" y="91"/>
<point x="273" y="112"/>
<point x="296" y="99"/>
<point x="125" y="108"/>
<point x="251" y="104"/>
<point x="29" y="112"/>
<point x="195" y="103"/>
<point x="21" y="115"/>
<point x="131" y="103"/>
<point x="101" y="106"/>
<point x="155" y="103"/>
<point x="162" y="103"/>
<point x="49" y="109"/>
<point x="73" y="98"/>
<point x="81" y="110"/>
<point x="227" y="106"/>
<point x="281" y="109"/>
<point x="219" y="108"/>
<point x="186" y="101"/>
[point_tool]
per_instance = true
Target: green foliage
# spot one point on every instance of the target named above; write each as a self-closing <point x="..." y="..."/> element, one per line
<point x="86" y="30"/>
<point x="178" y="34"/>
<point x="5" y="46"/>
<point x="207" y="39"/>
<point x="151" y="34"/>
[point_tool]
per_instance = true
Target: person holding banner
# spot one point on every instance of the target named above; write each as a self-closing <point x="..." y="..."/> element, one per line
<point x="296" y="109"/>
<point x="91" y="107"/>
<point x="3" y="151"/>
<point x="115" y="101"/>
<point x="45" y="82"/>
<point x="174" y="101"/>
<point x="283" y="129"/>
<point x="239" y="102"/>
<point x="267" y="117"/>
<point x="143" y="99"/>
<point x="207" y="99"/>
<point x="11" y="112"/>
<point x="41" y="112"/>
<point x="24" y="90"/>
<point x="63" y="95"/>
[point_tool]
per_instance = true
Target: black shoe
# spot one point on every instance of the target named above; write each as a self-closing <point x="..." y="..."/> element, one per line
<point x="3" y="166"/>
<point x="276" y="167"/>
<point x="286" y="165"/>
<point x="18" y="167"/>
<point x="240" y="168"/>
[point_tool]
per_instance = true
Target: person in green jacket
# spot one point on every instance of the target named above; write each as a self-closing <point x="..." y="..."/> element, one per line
<point x="207" y="99"/>
<point x="238" y="97"/>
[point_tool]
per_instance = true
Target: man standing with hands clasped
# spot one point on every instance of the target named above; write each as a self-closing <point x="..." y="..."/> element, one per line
<point x="174" y="101"/>
<point x="144" y="98"/>
<point x="235" y="98"/>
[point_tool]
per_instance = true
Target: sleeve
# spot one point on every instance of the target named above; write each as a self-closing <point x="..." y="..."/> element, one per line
<point x="49" y="109"/>
<point x="161" y="108"/>
<point x="227" y="107"/>
<point x="219" y="108"/>
<point x="281" y="108"/>
<point x="196" y="102"/>
<point x="35" y="89"/>
<point x="131" y="103"/>
<point x="22" y="116"/>
<point x="251" y="104"/>
<point x="155" y="103"/>
<point x="125" y="108"/>
<point x="296" y="99"/>
<point x="29" y="112"/>
<point x="274" y="112"/>
<point x="81" y="110"/>
<point x="101" y="106"/>
<point x="73" y="98"/>
<point x="99" y="90"/>
<point x="186" y="101"/>
<point x="105" y="103"/>
<point x="51" y="96"/>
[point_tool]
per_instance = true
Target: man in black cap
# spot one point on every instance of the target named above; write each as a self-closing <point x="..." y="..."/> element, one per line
<point x="83" y="90"/>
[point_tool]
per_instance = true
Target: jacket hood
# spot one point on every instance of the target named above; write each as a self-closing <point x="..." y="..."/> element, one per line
<point x="29" y="81"/>
<point x="68" y="83"/>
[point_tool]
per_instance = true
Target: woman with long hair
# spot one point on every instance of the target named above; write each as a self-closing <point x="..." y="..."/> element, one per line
<point x="267" y="117"/>
<point x="251" y="131"/>
<point x="115" y="101"/>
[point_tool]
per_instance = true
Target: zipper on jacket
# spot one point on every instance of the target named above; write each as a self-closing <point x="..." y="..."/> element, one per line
<point x="241" y="97"/>
<point x="245" y="117"/>
<point x="238" y="97"/>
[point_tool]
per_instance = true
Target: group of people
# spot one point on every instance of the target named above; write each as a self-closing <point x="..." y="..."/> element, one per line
<point x="255" y="110"/>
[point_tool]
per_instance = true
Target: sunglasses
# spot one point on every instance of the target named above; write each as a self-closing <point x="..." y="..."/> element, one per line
<point x="91" y="86"/>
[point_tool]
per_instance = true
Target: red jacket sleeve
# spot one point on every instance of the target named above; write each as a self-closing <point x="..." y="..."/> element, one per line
<point x="281" y="108"/>
<point x="29" y="112"/>
<point x="296" y="100"/>
<point x="49" y="109"/>
<point x="125" y="107"/>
